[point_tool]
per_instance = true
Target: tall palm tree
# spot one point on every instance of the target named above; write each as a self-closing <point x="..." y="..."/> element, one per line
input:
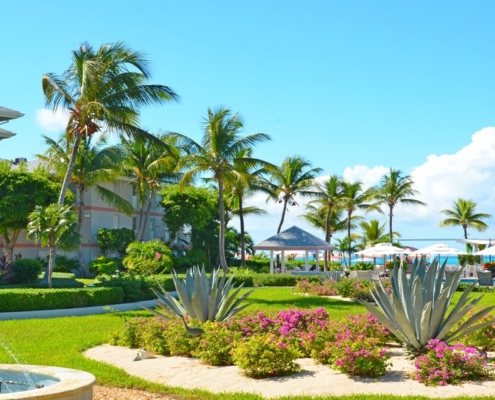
<point x="317" y="218"/>
<point x="464" y="214"/>
<point x="102" y="89"/>
<point x="354" y="199"/>
<point x="294" y="177"/>
<point x="239" y="189"/>
<point x="150" y="164"/>
<point x="95" y="165"/>
<point x="55" y="227"/>
<point x="216" y="155"/>
<point x="329" y="195"/>
<point x="395" y="188"/>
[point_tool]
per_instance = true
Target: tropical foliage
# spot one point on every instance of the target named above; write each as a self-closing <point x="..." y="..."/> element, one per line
<point x="417" y="308"/>
<point x="464" y="214"/>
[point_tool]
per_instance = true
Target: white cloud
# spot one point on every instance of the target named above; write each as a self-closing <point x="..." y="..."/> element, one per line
<point x="51" y="121"/>
<point x="441" y="179"/>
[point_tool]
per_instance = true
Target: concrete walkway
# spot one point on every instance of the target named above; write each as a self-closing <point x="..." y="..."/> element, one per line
<point x="73" y="312"/>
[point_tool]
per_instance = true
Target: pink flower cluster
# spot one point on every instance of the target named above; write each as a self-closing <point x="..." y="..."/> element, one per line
<point x="444" y="364"/>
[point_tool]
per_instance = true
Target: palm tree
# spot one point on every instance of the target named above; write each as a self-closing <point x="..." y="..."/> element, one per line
<point x="294" y="177"/>
<point x="150" y="164"/>
<point x="395" y="188"/>
<point x="95" y="164"/>
<point x="354" y="199"/>
<point x="317" y="217"/>
<point x="373" y="233"/>
<point x="239" y="189"/>
<point x="55" y="227"/>
<point x="217" y="155"/>
<point x="329" y="196"/>
<point x="464" y="214"/>
<point x="102" y="89"/>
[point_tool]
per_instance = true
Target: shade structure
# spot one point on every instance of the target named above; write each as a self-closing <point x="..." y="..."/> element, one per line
<point x="438" y="249"/>
<point x="292" y="240"/>
<point x="381" y="249"/>
<point x="489" y="251"/>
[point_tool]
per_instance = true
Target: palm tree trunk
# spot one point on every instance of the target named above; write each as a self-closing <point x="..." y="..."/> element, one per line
<point x="68" y="174"/>
<point x="327" y="238"/>
<point x="146" y="215"/>
<point x="349" y="214"/>
<point x="241" y="221"/>
<point x="82" y="263"/>
<point x="221" y="235"/>
<point x="390" y="224"/>
<point x="51" y="262"/>
<point x="283" y="216"/>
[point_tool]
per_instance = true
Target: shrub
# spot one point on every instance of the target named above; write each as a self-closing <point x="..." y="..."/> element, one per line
<point x="266" y="356"/>
<point x="483" y="339"/>
<point x="135" y="287"/>
<point x="443" y="364"/>
<point x="179" y="342"/>
<point x="25" y="270"/>
<point x="65" y="264"/>
<point x="50" y="299"/>
<point x="114" y="240"/>
<point x="216" y="344"/>
<point x="362" y="266"/>
<point x="358" y="355"/>
<point x="104" y="265"/>
<point x="148" y="257"/>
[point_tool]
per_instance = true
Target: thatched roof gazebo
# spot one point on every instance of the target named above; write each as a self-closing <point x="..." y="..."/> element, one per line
<point x="293" y="239"/>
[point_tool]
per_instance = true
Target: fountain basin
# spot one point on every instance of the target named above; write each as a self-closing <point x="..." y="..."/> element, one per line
<point x="59" y="383"/>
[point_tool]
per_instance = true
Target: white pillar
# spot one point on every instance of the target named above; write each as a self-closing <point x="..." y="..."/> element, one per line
<point x="283" y="262"/>
<point x="317" y="266"/>
<point x="306" y="265"/>
<point x="271" y="261"/>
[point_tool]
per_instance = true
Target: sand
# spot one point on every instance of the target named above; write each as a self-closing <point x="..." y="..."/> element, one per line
<point x="314" y="379"/>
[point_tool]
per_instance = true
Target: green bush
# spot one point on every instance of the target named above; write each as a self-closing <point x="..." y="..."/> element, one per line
<point x="104" y="265"/>
<point x="264" y="356"/>
<point x="114" y="240"/>
<point x="51" y="299"/>
<point x="362" y="266"/>
<point x="25" y="270"/>
<point x="135" y="287"/>
<point x="216" y="344"/>
<point x="179" y="342"/>
<point x="151" y="257"/>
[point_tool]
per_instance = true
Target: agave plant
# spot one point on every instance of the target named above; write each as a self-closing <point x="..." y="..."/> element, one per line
<point x="416" y="309"/>
<point x="202" y="298"/>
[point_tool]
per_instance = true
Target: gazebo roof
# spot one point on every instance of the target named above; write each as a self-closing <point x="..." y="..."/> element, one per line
<point x="293" y="239"/>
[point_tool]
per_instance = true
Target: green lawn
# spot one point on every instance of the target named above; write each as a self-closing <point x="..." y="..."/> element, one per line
<point x="60" y="342"/>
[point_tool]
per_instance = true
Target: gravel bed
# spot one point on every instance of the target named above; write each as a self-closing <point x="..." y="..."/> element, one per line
<point x="113" y="393"/>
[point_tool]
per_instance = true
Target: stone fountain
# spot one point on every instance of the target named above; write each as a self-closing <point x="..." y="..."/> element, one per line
<point x="40" y="383"/>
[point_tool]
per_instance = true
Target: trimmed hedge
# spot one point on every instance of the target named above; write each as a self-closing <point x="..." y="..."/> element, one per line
<point x="52" y="299"/>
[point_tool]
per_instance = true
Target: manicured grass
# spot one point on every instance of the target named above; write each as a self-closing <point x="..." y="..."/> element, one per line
<point x="61" y="341"/>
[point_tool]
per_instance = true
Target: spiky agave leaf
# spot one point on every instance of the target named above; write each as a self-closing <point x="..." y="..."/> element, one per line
<point x="201" y="297"/>
<point x="416" y="309"/>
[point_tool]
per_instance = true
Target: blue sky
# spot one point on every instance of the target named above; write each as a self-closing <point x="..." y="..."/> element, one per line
<point x="356" y="87"/>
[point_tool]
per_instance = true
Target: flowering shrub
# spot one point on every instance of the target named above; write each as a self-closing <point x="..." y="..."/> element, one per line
<point x="443" y="364"/>
<point x="483" y="339"/>
<point x="317" y="342"/>
<point x="325" y="288"/>
<point x="359" y="355"/>
<point x="216" y="344"/>
<point x="179" y="342"/>
<point x="150" y="257"/>
<point x="266" y="356"/>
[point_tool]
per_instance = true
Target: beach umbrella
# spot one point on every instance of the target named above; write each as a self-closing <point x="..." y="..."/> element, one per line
<point x="489" y="251"/>
<point x="381" y="249"/>
<point x="438" y="249"/>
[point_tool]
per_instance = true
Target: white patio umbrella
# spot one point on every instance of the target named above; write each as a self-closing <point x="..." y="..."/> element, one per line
<point x="437" y="249"/>
<point x="381" y="249"/>
<point x="489" y="251"/>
